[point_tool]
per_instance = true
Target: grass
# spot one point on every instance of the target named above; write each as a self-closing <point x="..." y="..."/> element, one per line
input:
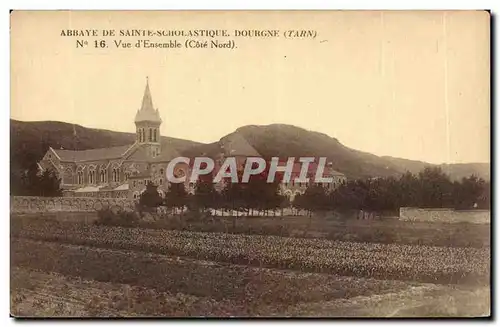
<point x="383" y="261"/>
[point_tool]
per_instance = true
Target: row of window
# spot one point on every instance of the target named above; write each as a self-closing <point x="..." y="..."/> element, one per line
<point x="150" y="134"/>
<point x="115" y="177"/>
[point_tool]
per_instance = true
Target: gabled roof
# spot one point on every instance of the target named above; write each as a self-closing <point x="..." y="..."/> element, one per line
<point x="92" y="154"/>
<point x="168" y="152"/>
<point x="147" y="111"/>
<point x="236" y="145"/>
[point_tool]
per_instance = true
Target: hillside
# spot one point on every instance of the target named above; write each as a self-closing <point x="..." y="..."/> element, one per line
<point x="30" y="140"/>
<point x="290" y="141"/>
<point x="456" y="171"/>
<point x="287" y="140"/>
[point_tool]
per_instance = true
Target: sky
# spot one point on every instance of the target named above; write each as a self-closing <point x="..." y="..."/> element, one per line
<point x="413" y="85"/>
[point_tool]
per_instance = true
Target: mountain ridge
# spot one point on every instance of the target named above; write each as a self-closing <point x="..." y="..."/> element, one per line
<point x="29" y="141"/>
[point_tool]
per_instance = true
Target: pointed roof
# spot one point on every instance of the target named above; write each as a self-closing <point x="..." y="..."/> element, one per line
<point x="236" y="145"/>
<point x="147" y="111"/>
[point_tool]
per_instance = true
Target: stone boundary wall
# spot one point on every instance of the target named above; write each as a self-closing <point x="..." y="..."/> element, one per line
<point x="444" y="215"/>
<point x="30" y="204"/>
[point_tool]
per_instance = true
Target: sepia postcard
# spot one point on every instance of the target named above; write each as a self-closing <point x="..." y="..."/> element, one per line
<point x="250" y="164"/>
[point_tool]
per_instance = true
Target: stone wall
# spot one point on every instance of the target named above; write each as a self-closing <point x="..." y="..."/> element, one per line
<point x="445" y="215"/>
<point x="28" y="204"/>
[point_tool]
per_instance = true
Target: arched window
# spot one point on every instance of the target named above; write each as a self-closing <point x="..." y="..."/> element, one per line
<point x="127" y="176"/>
<point x="162" y="171"/>
<point x="92" y="175"/>
<point x="150" y="134"/>
<point x="154" y="135"/>
<point x="103" y="176"/>
<point x="68" y="176"/>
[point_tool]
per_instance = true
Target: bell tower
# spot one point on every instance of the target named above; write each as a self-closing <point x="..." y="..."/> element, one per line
<point x="147" y="123"/>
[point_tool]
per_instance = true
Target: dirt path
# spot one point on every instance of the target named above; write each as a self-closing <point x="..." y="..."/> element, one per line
<point x="427" y="300"/>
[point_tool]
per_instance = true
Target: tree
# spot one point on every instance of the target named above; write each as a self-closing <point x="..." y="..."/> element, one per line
<point x="49" y="184"/>
<point x="313" y="199"/>
<point x="16" y="182"/>
<point x="32" y="182"/>
<point x="261" y="195"/>
<point x="409" y="190"/>
<point x="205" y="196"/>
<point x="435" y="189"/>
<point x="350" y="196"/>
<point x="484" y="200"/>
<point x="469" y="192"/>
<point x="176" y="196"/>
<point x="150" y="198"/>
<point x="284" y="204"/>
<point x="233" y="195"/>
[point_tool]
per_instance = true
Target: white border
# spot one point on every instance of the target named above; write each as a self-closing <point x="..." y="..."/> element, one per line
<point x="255" y="4"/>
<point x="172" y="5"/>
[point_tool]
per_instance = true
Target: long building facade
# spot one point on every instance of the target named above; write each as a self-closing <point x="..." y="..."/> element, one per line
<point x="124" y="171"/>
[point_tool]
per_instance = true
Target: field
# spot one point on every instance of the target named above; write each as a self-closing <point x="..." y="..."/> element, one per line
<point x="64" y="265"/>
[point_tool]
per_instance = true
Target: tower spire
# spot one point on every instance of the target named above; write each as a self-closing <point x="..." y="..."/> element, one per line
<point x="147" y="111"/>
<point x="147" y="101"/>
<point x="147" y="122"/>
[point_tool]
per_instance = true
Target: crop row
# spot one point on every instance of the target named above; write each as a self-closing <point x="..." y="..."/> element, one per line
<point x="383" y="261"/>
<point x="229" y="289"/>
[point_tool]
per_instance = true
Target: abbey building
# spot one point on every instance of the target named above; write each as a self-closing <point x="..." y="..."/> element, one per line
<point x="124" y="171"/>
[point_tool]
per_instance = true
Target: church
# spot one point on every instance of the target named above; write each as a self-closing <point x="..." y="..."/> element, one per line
<point x="124" y="171"/>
